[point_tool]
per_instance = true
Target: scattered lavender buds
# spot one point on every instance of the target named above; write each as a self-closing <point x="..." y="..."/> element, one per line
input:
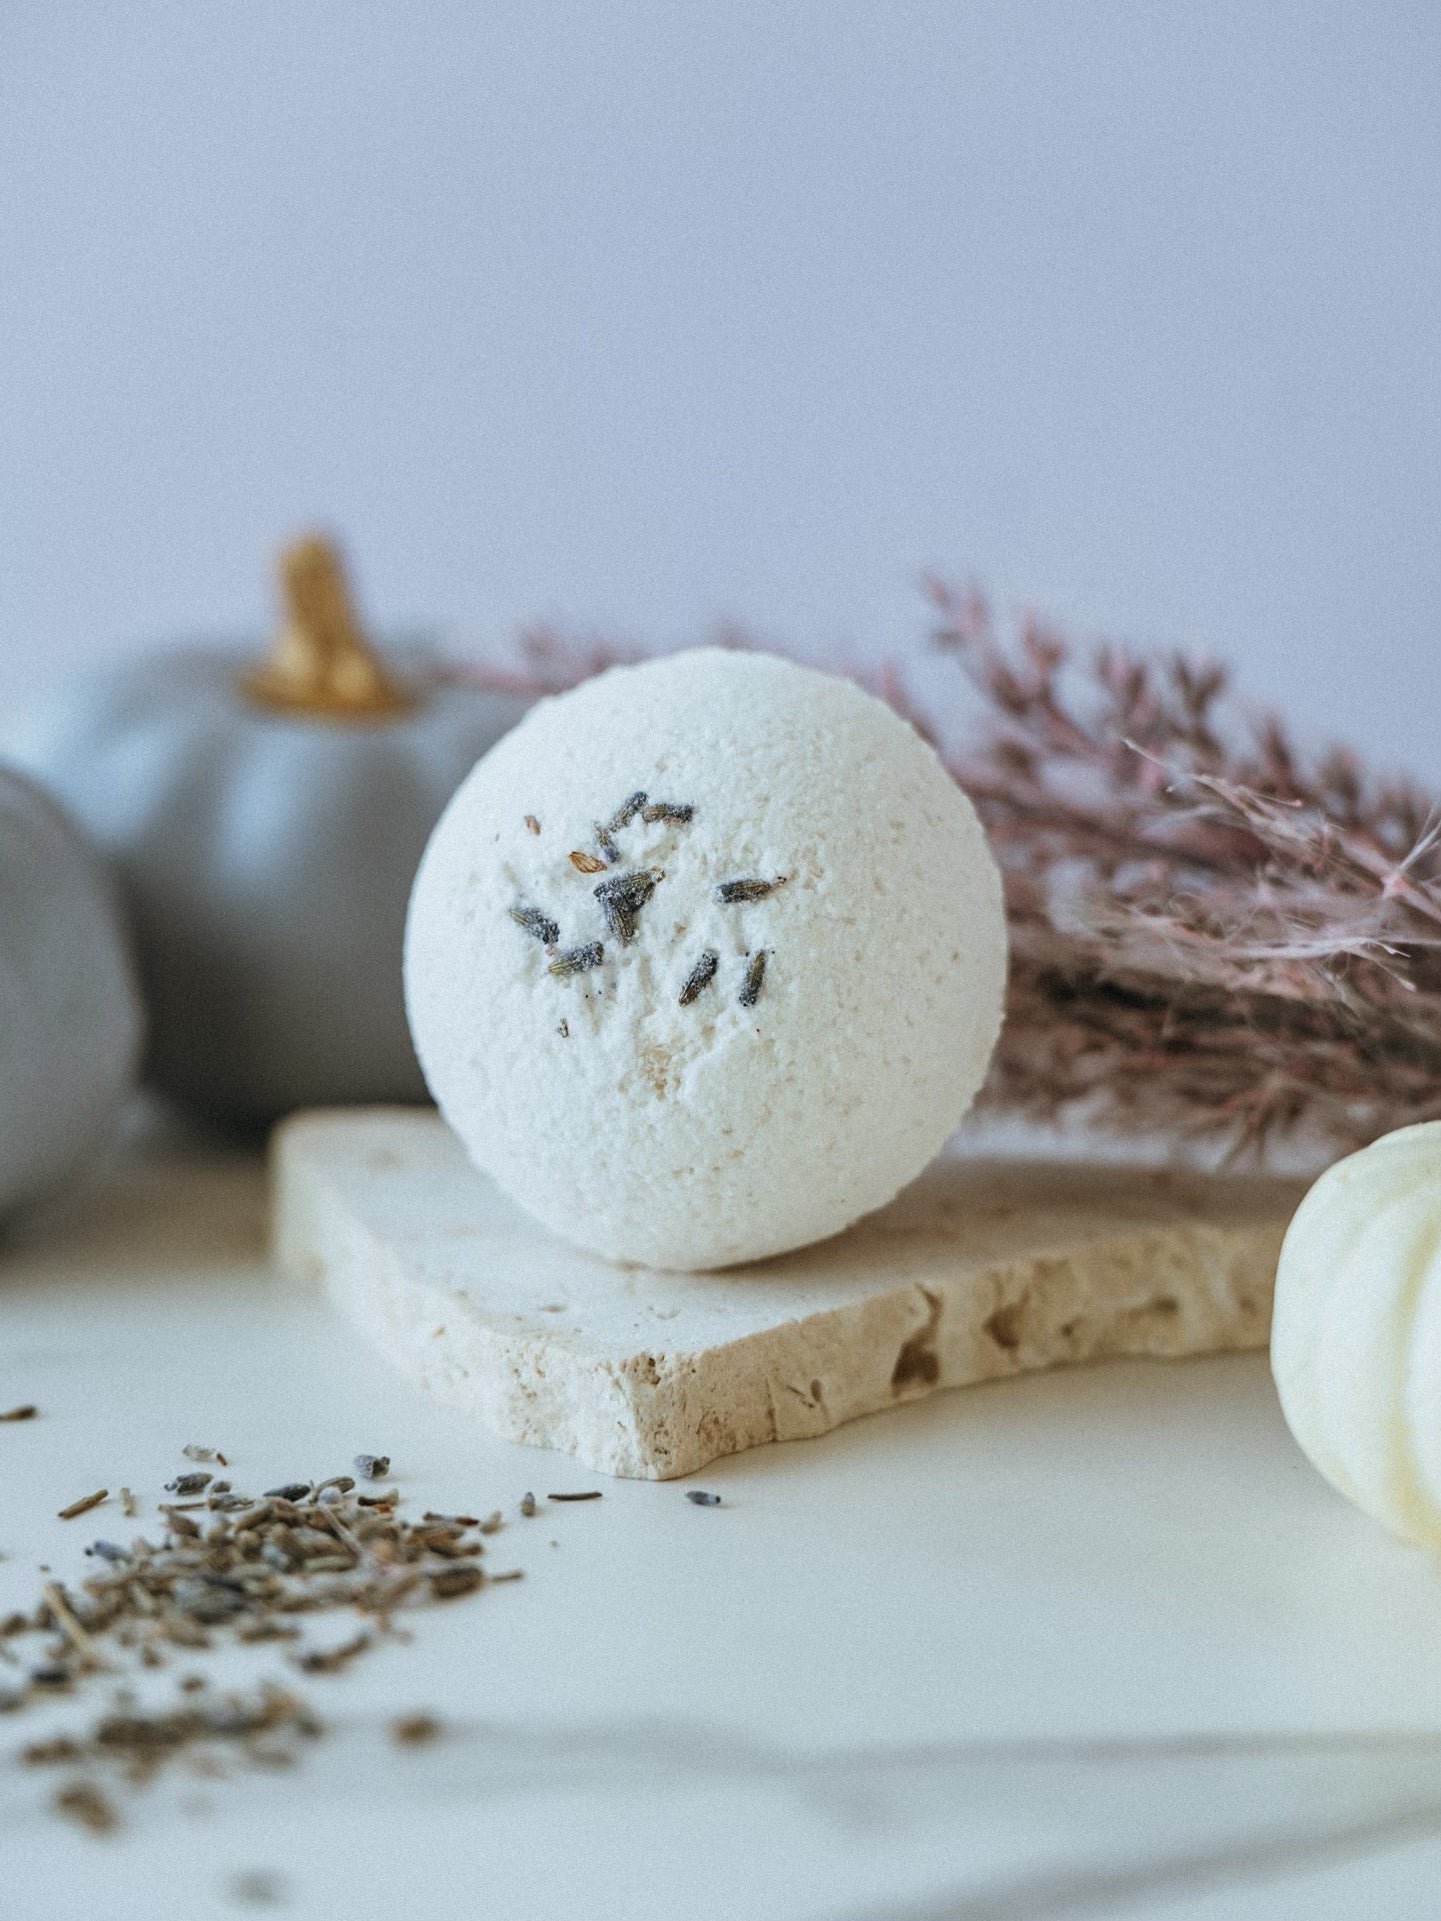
<point x="755" y="973"/>
<point x="534" y="922"/>
<point x="699" y="977"/>
<point x="252" y="1577"/>
<point x="578" y="960"/>
<point x="668" y="810"/>
<point x="730" y="893"/>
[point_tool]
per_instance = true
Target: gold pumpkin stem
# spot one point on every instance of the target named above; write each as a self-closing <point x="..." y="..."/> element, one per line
<point x="320" y="662"/>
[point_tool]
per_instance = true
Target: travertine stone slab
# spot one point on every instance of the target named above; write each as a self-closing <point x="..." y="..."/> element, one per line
<point x="980" y="1269"/>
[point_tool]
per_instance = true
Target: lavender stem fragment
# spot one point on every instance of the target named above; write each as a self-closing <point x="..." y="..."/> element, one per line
<point x="83" y="1505"/>
<point x="699" y="978"/>
<point x="679" y="812"/>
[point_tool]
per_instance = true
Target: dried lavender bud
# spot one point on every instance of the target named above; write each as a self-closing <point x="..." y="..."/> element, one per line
<point x="193" y="1451"/>
<point x="585" y="863"/>
<point x="609" y="852"/>
<point x="699" y="977"/>
<point x="107" y="1551"/>
<point x="621" y="899"/>
<point x="288" y="1491"/>
<point x="447" y="1582"/>
<point x="534" y="922"/>
<point x="187" y="1484"/>
<point x="669" y="810"/>
<point x="82" y="1802"/>
<point x="26" y="1412"/>
<point x="411" y="1729"/>
<point x="700" y="1498"/>
<point x="331" y="1660"/>
<point x="527" y="1504"/>
<point x="578" y="960"/>
<point x="626" y="812"/>
<point x="532" y="823"/>
<point x="371" y="1467"/>
<point x="731" y="893"/>
<point x="755" y="973"/>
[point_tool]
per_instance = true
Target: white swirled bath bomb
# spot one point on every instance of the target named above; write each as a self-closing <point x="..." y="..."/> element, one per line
<point x="705" y="959"/>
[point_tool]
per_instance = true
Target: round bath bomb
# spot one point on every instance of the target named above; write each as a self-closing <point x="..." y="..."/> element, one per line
<point x="705" y="959"/>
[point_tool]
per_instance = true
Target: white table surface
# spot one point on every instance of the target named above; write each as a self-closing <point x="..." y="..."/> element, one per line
<point x="1092" y="1643"/>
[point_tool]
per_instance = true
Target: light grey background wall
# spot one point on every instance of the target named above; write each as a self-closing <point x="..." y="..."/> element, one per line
<point x="641" y="315"/>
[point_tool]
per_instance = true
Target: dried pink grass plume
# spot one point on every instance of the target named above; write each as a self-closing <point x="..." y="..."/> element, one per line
<point x="1212" y="935"/>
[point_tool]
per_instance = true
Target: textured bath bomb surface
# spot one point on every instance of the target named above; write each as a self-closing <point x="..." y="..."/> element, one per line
<point x="729" y="1019"/>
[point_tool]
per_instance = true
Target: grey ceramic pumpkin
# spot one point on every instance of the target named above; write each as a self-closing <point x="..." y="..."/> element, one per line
<point x="267" y="824"/>
<point x="70" y="1023"/>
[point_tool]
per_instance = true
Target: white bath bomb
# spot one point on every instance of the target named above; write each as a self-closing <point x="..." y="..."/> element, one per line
<point x="705" y="959"/>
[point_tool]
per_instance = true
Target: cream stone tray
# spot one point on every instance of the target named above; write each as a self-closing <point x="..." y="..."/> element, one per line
<point x="980" y="1269"/>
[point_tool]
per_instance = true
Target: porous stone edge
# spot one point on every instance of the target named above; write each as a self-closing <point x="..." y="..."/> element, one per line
<point x="1178" y="1288"/>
